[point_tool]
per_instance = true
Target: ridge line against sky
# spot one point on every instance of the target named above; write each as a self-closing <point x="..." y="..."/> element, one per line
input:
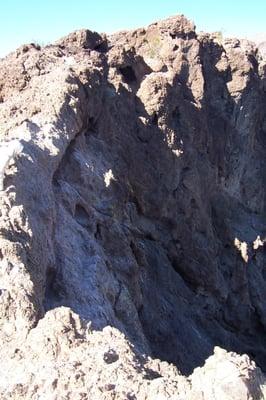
<point x="46" y="21"/>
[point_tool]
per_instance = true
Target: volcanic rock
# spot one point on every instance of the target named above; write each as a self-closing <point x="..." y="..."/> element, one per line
<point x="129" y="215"/>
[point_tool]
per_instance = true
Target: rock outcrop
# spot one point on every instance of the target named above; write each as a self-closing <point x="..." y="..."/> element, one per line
<point x="132" y="223"/>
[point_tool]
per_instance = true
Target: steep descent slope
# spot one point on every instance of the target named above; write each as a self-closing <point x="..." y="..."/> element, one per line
<point x="138" y="199"/>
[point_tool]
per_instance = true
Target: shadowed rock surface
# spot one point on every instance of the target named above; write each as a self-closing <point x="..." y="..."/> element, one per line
<point x="136" y="203"/>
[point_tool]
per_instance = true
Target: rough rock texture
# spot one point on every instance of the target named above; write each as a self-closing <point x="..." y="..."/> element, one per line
<point x="62" y="358"/>
<point x="136" y="201"/>
<point x="262" y="48"/>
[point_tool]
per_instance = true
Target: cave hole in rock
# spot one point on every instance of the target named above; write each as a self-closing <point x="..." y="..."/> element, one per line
<point x="91" y="124"/>
<point x="52" y="289"/>
<point x="128" y="74"/>
<point x="154" y="119"/>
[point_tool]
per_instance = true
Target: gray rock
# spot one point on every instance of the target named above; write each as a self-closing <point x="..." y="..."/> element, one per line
<point x="134" y="208"/>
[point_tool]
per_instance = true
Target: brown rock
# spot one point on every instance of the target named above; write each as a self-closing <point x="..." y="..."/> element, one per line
<point x="83" y="39"/>
<point x="135" y="204"/>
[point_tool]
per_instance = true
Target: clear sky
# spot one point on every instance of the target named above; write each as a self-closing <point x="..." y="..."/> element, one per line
<point x="44" y="21"/>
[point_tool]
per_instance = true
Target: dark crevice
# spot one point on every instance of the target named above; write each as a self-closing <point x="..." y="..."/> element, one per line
<point x="117" y="295"/>
<point x="137" y="253"/>
<point x="133" y="199"/>
<point x="175" y="263"/>
<point x="98" y="234"/>
<point x="149" y="236"/>
<point x="154" y="119"/>
<point x="53" y="290"/>
<point x="82" y="216"/>
<point x="128" y="74"/>
<point x="102" y="47"/>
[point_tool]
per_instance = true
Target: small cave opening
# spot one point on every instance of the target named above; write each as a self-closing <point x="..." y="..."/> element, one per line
<point x="91" y="123"/>
<point x="128" y="74"/>
<point x="154" y="119"/>
<point x="52" y="289"/>
<point x="90" y="126"/>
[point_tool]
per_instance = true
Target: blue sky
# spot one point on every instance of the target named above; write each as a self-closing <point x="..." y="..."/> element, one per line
<point x="47" y="20"/>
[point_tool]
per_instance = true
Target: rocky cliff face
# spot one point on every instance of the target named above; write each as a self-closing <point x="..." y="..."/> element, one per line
<point x="134" y="198"/>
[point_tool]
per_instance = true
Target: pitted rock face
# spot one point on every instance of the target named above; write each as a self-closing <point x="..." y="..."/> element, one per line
<point x="83" y="39"/>
<point x="135" y="204"/>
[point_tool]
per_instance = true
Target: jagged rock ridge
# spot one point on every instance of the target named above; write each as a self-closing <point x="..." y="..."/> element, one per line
<point x="137" y="201"/>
